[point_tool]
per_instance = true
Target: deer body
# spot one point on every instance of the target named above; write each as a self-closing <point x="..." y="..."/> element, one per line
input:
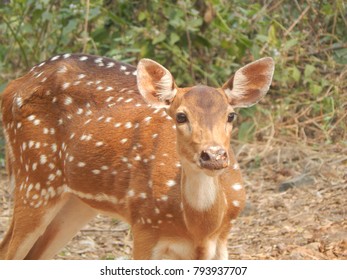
<point x="82" y="140"/>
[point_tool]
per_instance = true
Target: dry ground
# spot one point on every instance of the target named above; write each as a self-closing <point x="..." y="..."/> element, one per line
<point x="296" y="209"/>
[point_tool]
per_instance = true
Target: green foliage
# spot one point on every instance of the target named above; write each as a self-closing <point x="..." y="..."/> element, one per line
<point x="201" y="41"/>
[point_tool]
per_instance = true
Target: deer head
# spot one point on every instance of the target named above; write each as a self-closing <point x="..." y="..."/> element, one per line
<point x="204" y="115"/>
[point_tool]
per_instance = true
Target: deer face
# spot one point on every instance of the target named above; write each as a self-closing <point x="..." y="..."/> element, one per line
<point x="203" y="119"/>
<point x="204" y="115"/>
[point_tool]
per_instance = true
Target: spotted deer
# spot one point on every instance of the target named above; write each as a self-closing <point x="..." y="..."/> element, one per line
<point x="88" y="135"/>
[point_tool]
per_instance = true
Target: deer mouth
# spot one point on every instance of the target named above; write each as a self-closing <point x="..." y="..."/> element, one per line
<point x="214" y="165"/>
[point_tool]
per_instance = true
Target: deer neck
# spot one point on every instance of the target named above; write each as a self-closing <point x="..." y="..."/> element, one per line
<point x="203" y="200"/>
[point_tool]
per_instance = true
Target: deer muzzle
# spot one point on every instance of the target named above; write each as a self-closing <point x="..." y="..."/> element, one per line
<point x="214" y="158"/>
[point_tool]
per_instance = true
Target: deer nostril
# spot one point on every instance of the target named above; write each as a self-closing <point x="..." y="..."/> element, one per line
<point x="205" y="156"/>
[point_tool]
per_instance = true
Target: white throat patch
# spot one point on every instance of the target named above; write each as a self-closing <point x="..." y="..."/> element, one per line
<point x="200" y="191"/>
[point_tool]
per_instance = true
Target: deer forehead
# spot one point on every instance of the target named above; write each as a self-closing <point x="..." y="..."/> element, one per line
<point x="205" y="99"/>
<point x="204" y="104"/>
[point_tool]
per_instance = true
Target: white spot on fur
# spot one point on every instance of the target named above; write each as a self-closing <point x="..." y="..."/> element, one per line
<point x="34" y="166"/>
<point x="31" y="117"/>
<point x="164" y="197"/>
<point x="86" y="137"/>
<point x="51" y="177"/>
<point x="36" y="122"/>
<point x="171" y="183"/>
<point x="99" y="144"/>
<point x="143" y="195"/>
<point x="131" y="193"/>
<point x="51" y="192"/>
<point x="68" y="100"/>
<point x="19" y="101"/>
<point x="51" y="165"/>
<point x="110" y="64"/>
<point x="65" y="86"/>
<point x="80" y="76"/>
<point x="236" y="203"/>
<point x="54" y="147"/>
<point x="109" y="99"/>
<point x="137" y="158"/>
<point x="31" y="144"/>
<point x="147" y="120"/>
<point x="237" y="186"/>
<point x="128" y="125"/>
<point x="43" y="159"/>
<point x="62" y="69"/>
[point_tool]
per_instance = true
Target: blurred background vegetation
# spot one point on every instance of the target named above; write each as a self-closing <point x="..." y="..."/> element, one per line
<point x="204" y="41"/>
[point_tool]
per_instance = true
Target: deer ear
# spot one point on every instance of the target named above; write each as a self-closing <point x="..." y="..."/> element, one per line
<point x="250" y="83"/>
<point x="155" y="83"/>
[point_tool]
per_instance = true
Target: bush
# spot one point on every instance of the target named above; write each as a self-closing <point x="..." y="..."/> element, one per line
<point x="203" y="41"/>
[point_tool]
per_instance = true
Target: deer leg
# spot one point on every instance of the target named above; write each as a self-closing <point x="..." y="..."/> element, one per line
<point x="144" y="241"/>
<point x="222" y="249"/>
<point x="6" y="242"/>
<point x="68" y="221"/>
<point x="222" y="243"/>
<point x="27" y="225"/>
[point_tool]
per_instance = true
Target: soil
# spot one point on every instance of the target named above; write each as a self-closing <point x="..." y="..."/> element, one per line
<point x="296" y="208"/>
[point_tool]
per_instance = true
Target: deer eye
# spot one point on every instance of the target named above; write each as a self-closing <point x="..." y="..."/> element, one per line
<point x="231" y="117"/>
<point x="181" y="117"/>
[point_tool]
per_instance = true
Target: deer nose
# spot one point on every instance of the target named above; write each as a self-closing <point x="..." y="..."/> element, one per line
<point x="214" y="158"/>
